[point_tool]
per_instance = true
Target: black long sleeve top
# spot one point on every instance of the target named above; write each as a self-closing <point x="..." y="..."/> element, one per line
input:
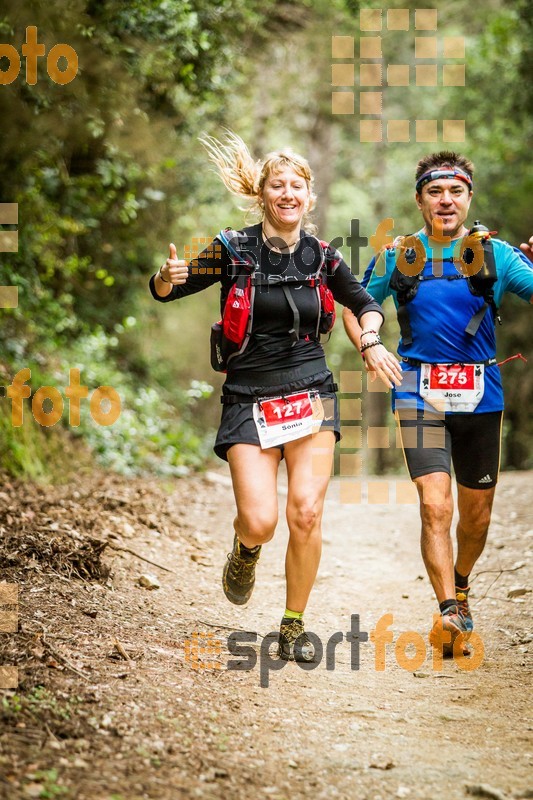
<point x="270" y="347"/>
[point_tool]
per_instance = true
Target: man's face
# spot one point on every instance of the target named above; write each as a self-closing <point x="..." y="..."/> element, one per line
<point x="446" y="201"/>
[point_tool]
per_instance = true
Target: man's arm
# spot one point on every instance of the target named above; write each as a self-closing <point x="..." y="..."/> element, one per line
<point x="352" y="327"/>
<point x="516" y="274"/>
<point x="376" y="281"/>
<point x="378" y="286"/>
<point x="527" y="249"/>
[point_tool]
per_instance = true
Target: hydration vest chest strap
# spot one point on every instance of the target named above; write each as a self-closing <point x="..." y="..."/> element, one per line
<point x="404" y="322"/>
<point x="476" y="320"/>
<point x="294" y="332"/>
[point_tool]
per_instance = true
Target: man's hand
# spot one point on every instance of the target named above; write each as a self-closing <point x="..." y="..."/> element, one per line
<point x="527" y="248"/>
<point x="173" y="270"/>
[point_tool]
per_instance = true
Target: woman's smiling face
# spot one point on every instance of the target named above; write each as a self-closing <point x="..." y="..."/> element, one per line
<point x="285" y="198"/>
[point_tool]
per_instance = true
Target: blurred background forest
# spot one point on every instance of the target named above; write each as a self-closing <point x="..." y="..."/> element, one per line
<point x="107" y="170"/>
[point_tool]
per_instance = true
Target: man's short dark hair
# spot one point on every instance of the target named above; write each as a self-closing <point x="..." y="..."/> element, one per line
<point x="446" y="158"/>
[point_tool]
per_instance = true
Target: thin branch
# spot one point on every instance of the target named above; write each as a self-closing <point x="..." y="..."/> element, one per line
<point x="490" y="586"/>
<point x="120" y="649"/>
<point x="50" y="733"/>
<point x="229" y="628"/>
<point x="499" y="571"/>
<point x="498" y="576"/>
<point x="65" y="660"/>
<point x="491" y="597"/>
<point x="142" y="558"/>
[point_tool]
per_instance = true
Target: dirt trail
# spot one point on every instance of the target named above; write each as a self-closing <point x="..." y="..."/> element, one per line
<point x="160" y="726"/>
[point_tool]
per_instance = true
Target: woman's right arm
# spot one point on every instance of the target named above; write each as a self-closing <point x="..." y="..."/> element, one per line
<point x="172" y="273"/>
<point x="176" y="278"/>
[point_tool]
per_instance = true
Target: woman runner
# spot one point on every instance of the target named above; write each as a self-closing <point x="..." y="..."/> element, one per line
<point x="284" y="359"/>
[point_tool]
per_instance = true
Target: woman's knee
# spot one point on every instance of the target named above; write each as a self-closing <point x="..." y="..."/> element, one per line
<point x="303" y="517"/>
<point x="258" y="526"/>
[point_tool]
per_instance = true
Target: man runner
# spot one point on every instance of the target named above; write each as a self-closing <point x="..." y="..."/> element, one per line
<point x="450" y="404"/>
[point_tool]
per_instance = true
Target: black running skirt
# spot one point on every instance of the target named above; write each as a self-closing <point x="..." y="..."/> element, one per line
<point x="237" y="424"/>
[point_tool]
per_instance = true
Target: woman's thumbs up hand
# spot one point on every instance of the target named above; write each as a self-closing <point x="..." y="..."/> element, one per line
<point x="173" y="270"/>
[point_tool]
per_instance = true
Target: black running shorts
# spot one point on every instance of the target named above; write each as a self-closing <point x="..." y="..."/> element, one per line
<point x="471" y="442"/>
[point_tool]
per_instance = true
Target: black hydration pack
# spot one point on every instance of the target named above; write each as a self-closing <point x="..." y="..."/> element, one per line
<point x="406" y="279"/>
<point x="231" y="334"/>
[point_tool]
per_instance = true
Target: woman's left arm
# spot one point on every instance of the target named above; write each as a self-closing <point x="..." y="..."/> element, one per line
<point x="377" y="358"/>
<point x="363" y="325"/>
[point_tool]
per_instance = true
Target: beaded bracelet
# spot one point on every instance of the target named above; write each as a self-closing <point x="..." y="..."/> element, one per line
<point x="370" y="344"/>
<point x="363" y="333"/>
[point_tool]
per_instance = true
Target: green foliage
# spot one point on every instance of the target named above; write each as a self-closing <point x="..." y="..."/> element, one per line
<point x="40" y="701"/>
<point x="152" y="433"/>
<point x="50" y="786"/>
<point x="107" y="170"/>
<point x="99" y="168"/>
<point x="42" y="454"/>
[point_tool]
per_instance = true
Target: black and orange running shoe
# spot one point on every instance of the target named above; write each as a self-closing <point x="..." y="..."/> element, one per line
<point x="450" y="622"/>
<point x="238" y="577"/>
<point x="461" y="595"/>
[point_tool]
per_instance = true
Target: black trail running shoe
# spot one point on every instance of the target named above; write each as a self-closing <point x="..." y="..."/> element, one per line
<point x="294" y="644"/>
<point x="238" y="577"/>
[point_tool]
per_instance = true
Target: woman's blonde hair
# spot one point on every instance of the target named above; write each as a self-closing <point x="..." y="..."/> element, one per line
<point x="244" y="177"/>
